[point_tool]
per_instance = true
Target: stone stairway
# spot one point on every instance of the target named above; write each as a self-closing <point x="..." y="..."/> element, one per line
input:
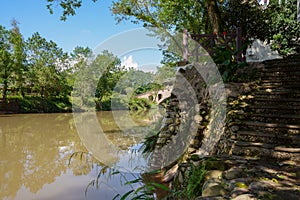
<point x="271" y="128"/>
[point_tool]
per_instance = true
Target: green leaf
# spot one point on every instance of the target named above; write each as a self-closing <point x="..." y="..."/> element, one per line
<point x="160" y="186"/>
<point x="126" y="195"/>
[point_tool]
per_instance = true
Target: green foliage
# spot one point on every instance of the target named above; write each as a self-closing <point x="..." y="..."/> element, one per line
<point x="68" y="7"/>
<point x="192" y="183"/>
<point x="145" y="191"/>
<point x="150" y="142"/>
<point x="109" y="68"/>
<point x="137" y="104"/>
<point x="284" y="34"/>
<point x="12" y="59"/>
<point x="225" y="58"/>
<point x="36" y="104"/>
<point x="135" y="82"/>
<point x="47" y="63"/>
<point x="148" y="87"/>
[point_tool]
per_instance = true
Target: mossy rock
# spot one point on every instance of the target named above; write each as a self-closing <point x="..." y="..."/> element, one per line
<point x="215" y="190"/>
<point x="215" y="165"/>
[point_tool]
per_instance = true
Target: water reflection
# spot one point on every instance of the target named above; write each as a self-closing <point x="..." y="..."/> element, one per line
<point x="35" y="154"/>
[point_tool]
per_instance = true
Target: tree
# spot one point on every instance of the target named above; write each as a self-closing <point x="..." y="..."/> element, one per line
<point x="277" y="23"/>
<point x="69" y="7"/>
<point x="18" y="58"/>
<point x="12" y="59"/>
<point x="111" y="71"/>
<point x="5" y="60"/>
<point x="283" y="28"/>
<point x="47" y="67"/>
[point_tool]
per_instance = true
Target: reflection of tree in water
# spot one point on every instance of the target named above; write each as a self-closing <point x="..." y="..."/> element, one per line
<point x="81" y="163"/>
<point x="34" y="150"/>
<point x="125" y="137"/>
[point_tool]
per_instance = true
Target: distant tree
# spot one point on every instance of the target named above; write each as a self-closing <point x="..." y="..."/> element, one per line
<point x="133" y="80"/>
<point x="18" y="58"/>
<point x="6" y="66"/>
<point x="164" y="72"/>
<point x="12" y="59"/>
<point x="47" y="66"/>
<point x="105" y="70"/>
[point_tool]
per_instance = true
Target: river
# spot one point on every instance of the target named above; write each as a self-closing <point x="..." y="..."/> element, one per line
<point x="44" y="156"/>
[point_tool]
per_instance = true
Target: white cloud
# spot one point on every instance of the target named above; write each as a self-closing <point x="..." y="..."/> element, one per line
<point x="128" y="62"/>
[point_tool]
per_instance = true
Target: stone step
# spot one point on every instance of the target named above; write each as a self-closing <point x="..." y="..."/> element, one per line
<point x="268" y="146"/>
<point x="274" y="118"/>
<point x="277" y="93"/>
<point x="265" y="151"/>
<point x="278" y="75"/>
<point x="271" y="125"/>
<point x="274" y="103"/>
<point x="272" y="128"/>
<point x="271" y="109"/>
<point x="262" y="137"/>
<point x="279" y="81"/>
<point x="280" y="71"/>
<point x="275" y="99"/>
<point x="295" y="62"/>
<point x="282" y="86"/>
<point x="293" y="67"/>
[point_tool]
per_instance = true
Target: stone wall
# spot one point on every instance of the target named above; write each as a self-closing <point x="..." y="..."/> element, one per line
<point x="194" y="117"/>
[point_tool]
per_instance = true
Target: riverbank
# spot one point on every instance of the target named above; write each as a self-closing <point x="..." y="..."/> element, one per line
<point x="36" y="104"/>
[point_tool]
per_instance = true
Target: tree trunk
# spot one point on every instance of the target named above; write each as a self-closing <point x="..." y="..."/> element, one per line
<point x="213" y="15"/>
<point x="5" y="88"/>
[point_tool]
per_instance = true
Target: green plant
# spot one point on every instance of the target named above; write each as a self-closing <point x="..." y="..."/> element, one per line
<point x="150" y="142"/>
<point x="190" y="188"/>
<point x="284" y="29"/>
<point x="144" y="191"/>
<point x="195" y="179"/>
<point x="227" y="63"/>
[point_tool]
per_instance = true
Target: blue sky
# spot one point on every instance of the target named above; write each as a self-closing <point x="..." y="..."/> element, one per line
<point x="92" y="25"/>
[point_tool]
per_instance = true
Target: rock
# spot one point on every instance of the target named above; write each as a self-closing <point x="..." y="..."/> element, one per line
<point x="197" y="108"/>
<point x="195" y="142"/>
<point x="213" y="174"/>
<point x="180" y="177"/>
<point x="198" y="118"/>
<point x="216" y="190"/>
<point x="167" y="121"/>
<point x="172" y="128"/>
<point x="233" y="173"/>
<point x="210" y="183"/>
<point x="215" y="165"/>
<point x="164" y="135"/>
<point x="238" y="191"/>
<point x="161" y="140"/>
<point x="209" y="198"/>
<point x="191" y="150"/>
<point x="258" y="186"/>
<point x="234" y="128"/>
<point x="244" y="197"/>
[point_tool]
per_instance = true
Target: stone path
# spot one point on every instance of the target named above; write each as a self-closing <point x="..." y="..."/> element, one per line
<point x="271" y="128"/>
<point x="264" y="158"/>
<point x="237" y="178"/>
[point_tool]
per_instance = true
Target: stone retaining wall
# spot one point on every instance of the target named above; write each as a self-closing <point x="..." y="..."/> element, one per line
<point x="188" y="126"/>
